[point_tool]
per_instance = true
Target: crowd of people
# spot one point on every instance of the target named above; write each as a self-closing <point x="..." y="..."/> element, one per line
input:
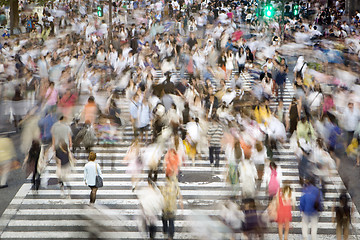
<point x="184" y="69"/>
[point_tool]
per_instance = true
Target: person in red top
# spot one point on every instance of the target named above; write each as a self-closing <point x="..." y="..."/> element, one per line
<point x="67" y="102"/>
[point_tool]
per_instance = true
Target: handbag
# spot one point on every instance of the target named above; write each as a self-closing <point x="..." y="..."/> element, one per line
<point x="273" y="209"/>
<point x="72" y="159"/>
<point x="98" y="179"/>
<point x="41" y="161"/>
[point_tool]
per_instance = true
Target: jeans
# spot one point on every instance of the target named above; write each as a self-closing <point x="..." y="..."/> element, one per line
<point x="168" y="225"/>
<point x="216" y="151"/>
<point x="306" y="221"/>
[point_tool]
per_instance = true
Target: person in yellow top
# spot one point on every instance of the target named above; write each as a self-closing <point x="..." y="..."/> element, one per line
<point x="7" y="154"/>
<point x="262" y="113"/>
<point x="170" y="192"/>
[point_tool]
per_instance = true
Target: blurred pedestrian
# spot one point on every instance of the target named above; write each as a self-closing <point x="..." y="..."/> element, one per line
<point x="310" y="206"/>
<point x="31" y="163"/>
<point x="286" y="203"/>
<point x="7" y="154"/>
<point x="63" y="169"/>
<point x="342" y="216"/>
<point x="135" y="163"/>
<point x="91" y="170"/>
<point x="273" y="178"/>
<point x="151" y="203"/>
<point x="214" y="135"/>
<point x="90" y="111"/>
<point x="61" y="131"/>
<point x="170" y="192"/>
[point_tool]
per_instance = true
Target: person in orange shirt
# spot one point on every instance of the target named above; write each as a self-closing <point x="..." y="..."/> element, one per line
<point x="90" y="111"/>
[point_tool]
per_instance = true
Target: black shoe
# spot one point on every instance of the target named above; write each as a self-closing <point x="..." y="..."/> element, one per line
<point x="4" y="186"/>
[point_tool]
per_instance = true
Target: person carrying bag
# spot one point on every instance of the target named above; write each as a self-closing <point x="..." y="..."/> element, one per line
<point x="93" y="176"/>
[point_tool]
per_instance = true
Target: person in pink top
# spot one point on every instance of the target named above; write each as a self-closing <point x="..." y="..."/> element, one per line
<point x="328" y="103"/>
<point x="51" y="96"/>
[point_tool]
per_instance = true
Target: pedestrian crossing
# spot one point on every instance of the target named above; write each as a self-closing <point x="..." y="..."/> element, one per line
<point x="49" y="215"/>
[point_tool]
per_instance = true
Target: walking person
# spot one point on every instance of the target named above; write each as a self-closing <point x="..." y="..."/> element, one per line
<point x="63" y="169"/>
<point x="91" y="170"/>
<point x="135" y="163"/>
<point x="342" y="216"/>
<point x="151" y="205"/>
<point x="286" y="202"/>
<point x="170" y="192"/>
<point x="7" y="155"/>
<point x="214" y="135"/>
<point x="31" y="163"/>
<point x="273" y="178"/>
<point x="310" y="205"/>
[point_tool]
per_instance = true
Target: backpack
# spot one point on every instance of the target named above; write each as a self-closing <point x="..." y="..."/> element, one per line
<point x="274" y="185"/>
<point x="172" y="162"/>
<point x="89" y="138"/>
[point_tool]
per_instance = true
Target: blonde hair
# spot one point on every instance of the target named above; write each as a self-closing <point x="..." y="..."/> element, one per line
<point x="92" y="156"/>
<point x="286" y="191"/>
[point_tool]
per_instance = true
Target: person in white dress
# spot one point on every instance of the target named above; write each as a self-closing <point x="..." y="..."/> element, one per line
<point x="229" y="64"/>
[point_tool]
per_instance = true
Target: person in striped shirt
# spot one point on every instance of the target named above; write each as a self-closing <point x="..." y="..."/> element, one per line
<point x="214" y="135"/>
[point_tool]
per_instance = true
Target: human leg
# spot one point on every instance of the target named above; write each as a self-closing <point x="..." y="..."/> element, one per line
<point x="93" y="194"/>
<point x="5" y="173"/>
<point x="171" y="230"/>
<point x="314" y="226"/>
<point x="280" y="230"/>
<point x="217" y="156"/>
<point x="211" y="155"/>
<point x="346" y="230"/>
<point x="286" y="232"/>
<point x="305" y="226"/>
<point x="165" y="224"/>
<point x="152" y="231"/>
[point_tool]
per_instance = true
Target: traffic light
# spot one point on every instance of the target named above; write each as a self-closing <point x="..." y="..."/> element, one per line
<point x="100" y="12"/>
<point x="269" y="11"/>
<point x="296" y="10"/>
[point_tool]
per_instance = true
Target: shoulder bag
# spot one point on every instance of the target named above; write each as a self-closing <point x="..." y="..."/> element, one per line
<point x="98" y="179"/>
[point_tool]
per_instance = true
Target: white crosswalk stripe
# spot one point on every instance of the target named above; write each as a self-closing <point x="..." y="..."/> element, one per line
<point x="47" y="215"/>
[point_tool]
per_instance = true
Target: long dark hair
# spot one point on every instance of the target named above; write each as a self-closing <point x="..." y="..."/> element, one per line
<point x="35" y="148"/>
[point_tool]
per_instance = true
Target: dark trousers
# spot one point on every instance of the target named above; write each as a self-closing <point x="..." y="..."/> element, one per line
<point x="214" y="151"/>
<point x="349" y="137"/>
<point x="152" y="231"/>
<point x="279" y="92"/>
<point x="168" y="226"/>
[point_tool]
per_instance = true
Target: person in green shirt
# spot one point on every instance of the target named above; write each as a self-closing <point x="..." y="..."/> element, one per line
<point x="305" y="130"/>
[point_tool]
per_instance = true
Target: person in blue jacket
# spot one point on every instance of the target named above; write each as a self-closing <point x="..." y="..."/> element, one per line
<point x="310" y="206"/>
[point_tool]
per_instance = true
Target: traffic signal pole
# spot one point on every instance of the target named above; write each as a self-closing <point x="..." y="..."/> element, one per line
<point x="110" y="24"/>
<point x="282" y="24"/>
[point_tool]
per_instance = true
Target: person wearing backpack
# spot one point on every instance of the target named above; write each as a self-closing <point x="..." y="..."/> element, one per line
<point x="310" y="206"/>
<point x="272" y="178"/>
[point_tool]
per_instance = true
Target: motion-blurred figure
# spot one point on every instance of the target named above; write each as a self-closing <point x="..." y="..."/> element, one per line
<point x="31" y="163"/>
<point x="7" y="154"/>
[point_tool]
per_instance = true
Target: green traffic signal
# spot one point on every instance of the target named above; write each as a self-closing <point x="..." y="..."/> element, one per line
<point x="269" y="11"/>
<point x="296" y="10"/>
<point x="100" y="12"/>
